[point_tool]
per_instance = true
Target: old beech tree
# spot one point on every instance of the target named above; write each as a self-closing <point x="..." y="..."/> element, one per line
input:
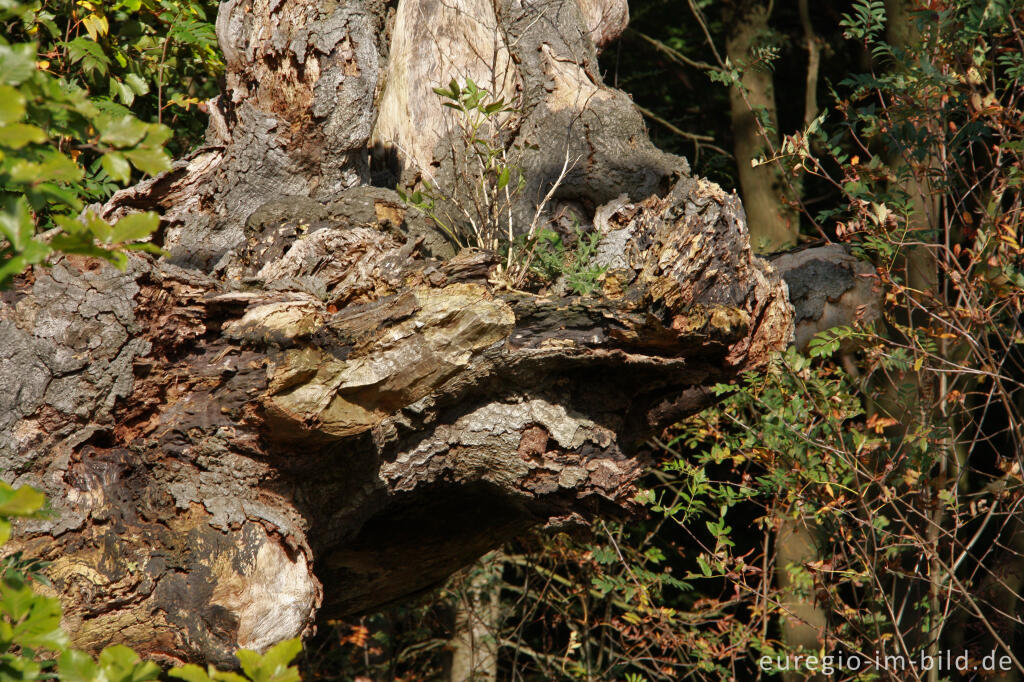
<point x="314" y="406"/>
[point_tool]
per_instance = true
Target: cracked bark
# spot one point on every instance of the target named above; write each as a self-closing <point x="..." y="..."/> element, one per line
<point x="303" y="411"/>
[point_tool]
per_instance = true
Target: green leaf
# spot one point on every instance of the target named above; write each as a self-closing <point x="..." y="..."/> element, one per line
<point x="494" y="107"/>
<point x="251" y="663"/>
<point x="121" y="664"/>
<point x="117" y="167"/>
<point x="57" y="194"/>
<point x="273" y="665"/>
<point x="135" y="226"/>
<point x="82" y="244"/>
<point x="137" y="83"/>
<point x="77" y="666"/>
<point x="17" y="135"/>
<point x="281" y="654"/>
<point x="17" y="63"/>
<point x="157" y="134"/>
<point x="70" y="224"/>
<point x="121" y="91"/>
<point x="55" y="167"/>
<point x="823" y="345"/>
<point x="33" y="252"/>
<point x="147" y="247"/>
<point x="23" y="501"/>
<point x="12" y="105"/>
<point x="100" y="228"/>
<point x="122" y="131"/>
<point x="152" y="161"/>
<point x="37" y="617"/>
<point x="190" y="673"/>
<point x="16" y="226"/>
<point x="90" y="54"/>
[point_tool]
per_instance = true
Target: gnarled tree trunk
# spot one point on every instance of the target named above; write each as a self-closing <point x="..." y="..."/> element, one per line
<point x="304" y="410"/>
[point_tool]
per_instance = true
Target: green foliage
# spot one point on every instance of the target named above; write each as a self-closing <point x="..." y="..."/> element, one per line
<point x="29" y="622"/>
<point x="481" y="210"/>
<point x="481" y="217"/>
<point x="158" y="58"/>
<point x="825" y="344"/>
<point x="116" y="664"/>
<point x="866" y="22"/>
<point x="475" y="103"/>
<point x="272" y="666"/>
<point x="551" y="260"/>
<point x="67" y="136"/>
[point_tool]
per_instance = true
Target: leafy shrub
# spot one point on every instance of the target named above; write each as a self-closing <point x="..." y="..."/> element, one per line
<point x="491" y="181"/>
<point x="67" y="137"/>
<point x="479" y="212"/>
<point x="550" y="260"/>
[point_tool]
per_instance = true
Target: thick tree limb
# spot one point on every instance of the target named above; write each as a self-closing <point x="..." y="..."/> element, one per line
<point x="224" y="461"/>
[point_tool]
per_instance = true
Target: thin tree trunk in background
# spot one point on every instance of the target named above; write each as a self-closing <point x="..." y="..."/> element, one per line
<point x="477" y="622"/>
<point x="997" y="584"/>
<point x="921" y="275"/>
<point x="774" y="225"/>
<point x="921" y="265"/>
<point x="813" y="46"/>
<point x="803" y="621"/>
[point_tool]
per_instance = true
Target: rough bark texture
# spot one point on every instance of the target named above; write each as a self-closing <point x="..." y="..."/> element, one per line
<point x="302" y="412"/>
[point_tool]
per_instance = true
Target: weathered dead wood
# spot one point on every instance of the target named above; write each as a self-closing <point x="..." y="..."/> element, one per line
<point x="353" y="422"/>
<point x="314" y="406"/>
